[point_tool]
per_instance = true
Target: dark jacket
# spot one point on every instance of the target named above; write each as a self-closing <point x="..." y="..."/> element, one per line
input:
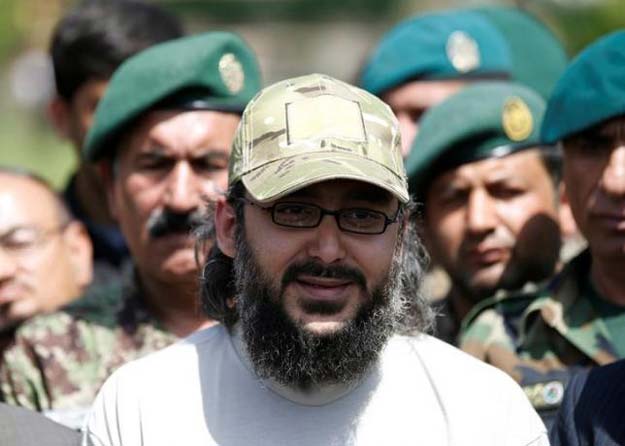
<point x="593" y="409"/>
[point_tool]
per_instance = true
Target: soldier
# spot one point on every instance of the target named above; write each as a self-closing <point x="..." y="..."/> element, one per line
<point x="579" y="319"/>
<point x="45" y="255"/>
<point x="87" y="45"/>
<point x="490" y="195"/>
<point x="426" y="59"/>
<point x="314" y="246"/>
<point x="162" y="137"/>
<point x="592" y="409"/>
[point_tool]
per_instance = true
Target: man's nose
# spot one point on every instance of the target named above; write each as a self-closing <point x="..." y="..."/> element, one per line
<point x="613" y="178"/>
<point x="182" y="192"/>
<point x="327" y="242"/>
<point x="481" y="214"/>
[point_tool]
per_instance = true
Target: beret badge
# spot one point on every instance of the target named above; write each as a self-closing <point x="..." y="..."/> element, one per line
<point x="463" y="52"/>
<point x="231" y="72"/>
<point x="517" y="119"/>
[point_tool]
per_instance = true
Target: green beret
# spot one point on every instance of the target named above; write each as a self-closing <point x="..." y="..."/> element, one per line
<point x="444" y="45"/>
<point x="529" y="40"/>
<point x="211" y="71"/>
<point x="591" y="90"/>
<point x="489" y="119"/>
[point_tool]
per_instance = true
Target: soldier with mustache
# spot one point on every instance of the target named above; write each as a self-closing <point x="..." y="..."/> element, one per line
<point x="578" y="320"/>
<point x="313" y="276"/>
<point x="489" y="191"/>
<point x="162" y="137"/>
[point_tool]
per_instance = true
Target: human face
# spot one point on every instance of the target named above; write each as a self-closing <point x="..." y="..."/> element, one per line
<point x="74" y="118"/>
<point x="594" y="174"/>
<point x="409" y="101"/>
<point x="492" y="223"/>
<point x="44" y="260"/>
<point x="281" y="349"/>
<point x="167" y="165"/>
<point x="323" y="304"/>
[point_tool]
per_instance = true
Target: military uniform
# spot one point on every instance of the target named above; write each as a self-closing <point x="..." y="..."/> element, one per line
<point x="448" y="325"/>
<point x="59" y="361"/>
<point x="541" y="339"/>
<point x="487" y="120"/>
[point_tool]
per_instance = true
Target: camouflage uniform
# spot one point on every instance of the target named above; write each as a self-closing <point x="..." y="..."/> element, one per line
<point x="59" y="361"/>
<point x="541" y="339"/>
<point x="448" y="324"/>
<point x="6" y="337"/>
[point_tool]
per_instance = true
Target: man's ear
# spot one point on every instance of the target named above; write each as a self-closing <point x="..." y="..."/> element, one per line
<point x="58" y="113"/>
<point x="80" y="248"/>
<point x="225" y="226"/>
<point x="105" y="170"/>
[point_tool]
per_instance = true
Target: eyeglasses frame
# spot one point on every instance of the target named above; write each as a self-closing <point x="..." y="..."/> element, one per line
<point x="387" y="221"/>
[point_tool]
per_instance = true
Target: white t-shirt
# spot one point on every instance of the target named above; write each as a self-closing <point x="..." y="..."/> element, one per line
<point x="202" y="391"/>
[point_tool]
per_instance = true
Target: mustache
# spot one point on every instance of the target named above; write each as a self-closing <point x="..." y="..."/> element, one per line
<point x="164" y="222"/>
<point x="317" y="269"/>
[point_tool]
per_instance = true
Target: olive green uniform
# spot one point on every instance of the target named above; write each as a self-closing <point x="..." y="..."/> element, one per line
<point x="540" y="339"/>
<point x="59" y="361"/>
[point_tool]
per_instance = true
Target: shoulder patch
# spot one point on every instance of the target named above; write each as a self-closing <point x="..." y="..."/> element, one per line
<point x="511" y="303"/>
<point x="546" y="395"/>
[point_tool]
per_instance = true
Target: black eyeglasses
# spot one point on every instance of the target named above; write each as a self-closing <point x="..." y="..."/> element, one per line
<point x="305" y="215"/>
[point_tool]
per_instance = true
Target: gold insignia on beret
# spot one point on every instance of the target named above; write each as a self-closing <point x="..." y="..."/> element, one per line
<point x="463" y="52"/>
<point x="517" y="119"/>
<point x="231" y="72"/>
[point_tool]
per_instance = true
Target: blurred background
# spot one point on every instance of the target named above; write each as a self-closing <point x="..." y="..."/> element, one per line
<point x="291" y="37"/>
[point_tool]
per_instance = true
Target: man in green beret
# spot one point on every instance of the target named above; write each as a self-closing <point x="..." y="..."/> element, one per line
<point x="427" y="58"/>
<point x="162" y="137"/>
<point x="88" y="44"/>
<point x="578" y="320"/>
<point x="490" y="196"/>
<point x="322" y="338"/>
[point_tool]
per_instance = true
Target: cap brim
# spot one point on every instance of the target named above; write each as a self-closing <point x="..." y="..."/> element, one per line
<point x="282" y="177"/>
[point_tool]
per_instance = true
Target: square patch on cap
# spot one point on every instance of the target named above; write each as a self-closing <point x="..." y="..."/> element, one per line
<point x="324" y="116"/>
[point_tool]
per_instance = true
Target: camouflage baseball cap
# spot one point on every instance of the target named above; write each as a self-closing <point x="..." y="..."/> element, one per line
<point x="210" y="71"/>
<point x="314" y="128"/>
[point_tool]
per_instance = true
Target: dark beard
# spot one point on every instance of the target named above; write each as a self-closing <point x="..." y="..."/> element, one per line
<point x="282" y="350"/>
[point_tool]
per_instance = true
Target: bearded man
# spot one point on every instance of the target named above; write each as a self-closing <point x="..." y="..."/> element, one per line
<point x="322" y="337"/>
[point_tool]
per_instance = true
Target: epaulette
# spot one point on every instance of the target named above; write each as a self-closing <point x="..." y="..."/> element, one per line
<point x="102" y="299"/>
<point x="545" y="395"/>
<point x="508" y="303"/>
